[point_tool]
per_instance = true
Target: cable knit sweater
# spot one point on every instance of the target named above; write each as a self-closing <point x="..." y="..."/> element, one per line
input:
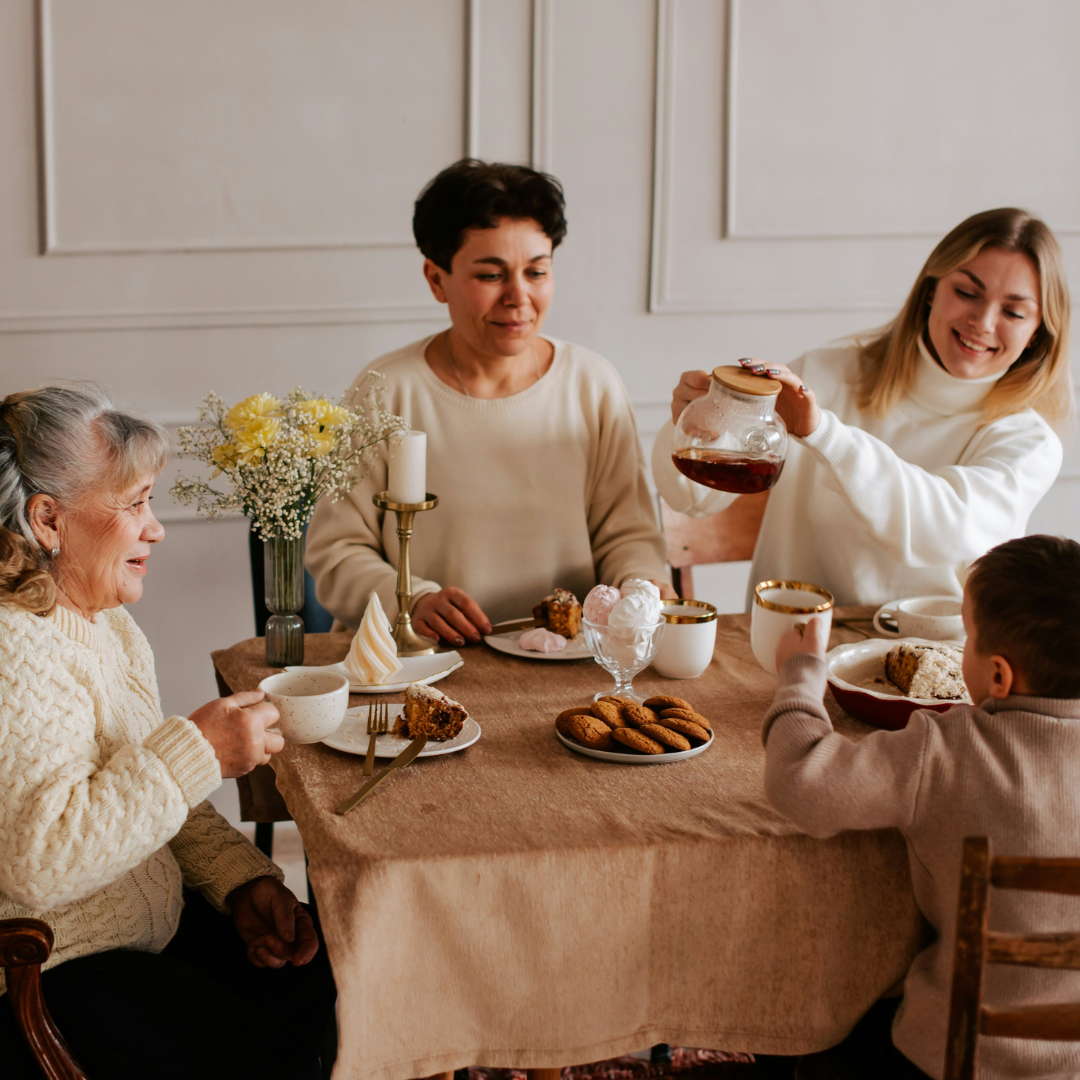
<point x="1007" y="769"/>
<point x="876" y="508"/>
<point x="102" y="818"/>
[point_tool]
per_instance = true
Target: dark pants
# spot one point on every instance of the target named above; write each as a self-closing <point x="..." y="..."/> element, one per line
<point x="868" y="1052"/>
<point x="198" y="1010"/>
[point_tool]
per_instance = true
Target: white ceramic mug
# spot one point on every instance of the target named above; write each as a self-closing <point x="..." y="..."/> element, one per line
<point x="936" y="618"/>
<point x="780" y="605"/>
<point x="311" y="704"/>
<point x="686" y="649"/>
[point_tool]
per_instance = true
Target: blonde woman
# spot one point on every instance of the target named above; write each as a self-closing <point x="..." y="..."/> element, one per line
<point x="919" y="448"/>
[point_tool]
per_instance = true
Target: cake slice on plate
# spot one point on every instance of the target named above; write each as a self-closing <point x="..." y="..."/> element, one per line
<point x="429" y="712"/>
<point x="560" y="613"/>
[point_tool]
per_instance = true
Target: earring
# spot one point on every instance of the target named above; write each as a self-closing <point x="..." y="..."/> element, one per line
<point x="55" y="551"/>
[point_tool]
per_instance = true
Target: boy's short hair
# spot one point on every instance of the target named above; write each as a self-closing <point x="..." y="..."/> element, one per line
<point x="1025" y="598"/>
<point x="472" y="194"/>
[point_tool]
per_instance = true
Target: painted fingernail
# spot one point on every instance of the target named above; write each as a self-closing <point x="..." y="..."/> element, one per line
<point x="459" y="641"/>
<point x="803" y="389"/>
<point x="759" y="369"/>
<point x="746" y="362"/>
<point x="774" y="371"/>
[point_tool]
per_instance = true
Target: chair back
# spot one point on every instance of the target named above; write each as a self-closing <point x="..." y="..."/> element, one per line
<point x="976" y="947"/>
<point x="729" y="536"/>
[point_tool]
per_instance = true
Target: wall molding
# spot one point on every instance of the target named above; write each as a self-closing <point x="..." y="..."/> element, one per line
<point x="52" y="245"/>
<point x="543" y="37"/>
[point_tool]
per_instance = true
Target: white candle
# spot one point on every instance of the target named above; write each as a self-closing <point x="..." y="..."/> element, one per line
<point x="407" y="473"/>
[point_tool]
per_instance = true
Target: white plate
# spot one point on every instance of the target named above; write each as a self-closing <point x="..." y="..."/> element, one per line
<point x="576" y="648"/>
<point x="850" y="665"/>
<point x="631" y="757"/>
<point x="414" y="669"/>
<point x="352" y="736"/>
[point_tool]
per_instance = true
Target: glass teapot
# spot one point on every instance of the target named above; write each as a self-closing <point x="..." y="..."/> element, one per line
<point x="731" y="439"/>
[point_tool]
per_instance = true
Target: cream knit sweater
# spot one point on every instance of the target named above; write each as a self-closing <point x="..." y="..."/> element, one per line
<point x="878" y="508"/>
<point x="539" y="490"/>
<point x="1009" y="770"/>
<point x="102" y="818"/>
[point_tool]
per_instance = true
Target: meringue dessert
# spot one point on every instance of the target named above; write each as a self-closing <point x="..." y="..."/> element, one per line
<point x="373" y="655"/>
<point x="599" y="602"/>
<point x="541" y="640"/>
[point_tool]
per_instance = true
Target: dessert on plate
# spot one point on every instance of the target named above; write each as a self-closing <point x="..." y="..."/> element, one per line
<point x="662" y="725"/>
<point x="429" y="712"/>
<point x="929" y="672"/>
<point x="373" y="654"/>
<point x="560" y="613"/>
<point x="542" y="641"/>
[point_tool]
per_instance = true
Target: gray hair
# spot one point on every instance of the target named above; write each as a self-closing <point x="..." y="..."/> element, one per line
<point x="69" y="442"/>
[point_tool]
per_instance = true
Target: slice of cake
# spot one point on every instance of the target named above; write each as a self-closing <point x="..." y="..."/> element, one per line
<point x="429" y="712"/>
<point x="927" y="671"/>
<point x="560" y="613"/>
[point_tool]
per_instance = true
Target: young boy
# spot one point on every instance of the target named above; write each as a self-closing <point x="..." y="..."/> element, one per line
<point x="1006" y="767"/>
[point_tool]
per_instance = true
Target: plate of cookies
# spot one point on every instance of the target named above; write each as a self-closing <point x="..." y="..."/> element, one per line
<point x="662" y="730"/>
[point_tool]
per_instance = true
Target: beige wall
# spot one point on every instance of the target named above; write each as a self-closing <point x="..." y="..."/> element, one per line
<point x="215" y="195"/>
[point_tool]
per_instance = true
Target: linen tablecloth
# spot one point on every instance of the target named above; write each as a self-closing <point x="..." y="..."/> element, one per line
<point x="517" y="904"/>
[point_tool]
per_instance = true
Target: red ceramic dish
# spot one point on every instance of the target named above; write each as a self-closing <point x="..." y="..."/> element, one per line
<point x="849" y="665"/>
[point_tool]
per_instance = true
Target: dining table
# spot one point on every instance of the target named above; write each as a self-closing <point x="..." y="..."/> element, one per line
<point x="519" y="905"/>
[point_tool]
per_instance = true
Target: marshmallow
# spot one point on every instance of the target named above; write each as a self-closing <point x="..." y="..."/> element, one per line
<point x="598" y="604"/>
<point x="541" y="640"/>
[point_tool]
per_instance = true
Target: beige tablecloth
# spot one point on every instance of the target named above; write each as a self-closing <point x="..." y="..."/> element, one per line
<point x="517" y="904"/>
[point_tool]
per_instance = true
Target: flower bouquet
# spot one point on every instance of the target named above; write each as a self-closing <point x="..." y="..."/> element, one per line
<point x="278" y="457"/>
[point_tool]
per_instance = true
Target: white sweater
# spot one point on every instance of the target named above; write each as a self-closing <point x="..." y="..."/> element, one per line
<point x="539" y="490"/>
<point x="102" y="818"/>
<point x="875" y="509"/>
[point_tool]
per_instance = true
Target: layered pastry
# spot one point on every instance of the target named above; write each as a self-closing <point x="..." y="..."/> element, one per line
<point x="373" y="655"/>
<point x="560" y="613"/>
<point x="429" y="712"/>
<point x="932" y="672"/>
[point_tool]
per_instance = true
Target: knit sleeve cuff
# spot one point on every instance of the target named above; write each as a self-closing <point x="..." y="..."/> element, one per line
<point x="235" y="866"/>
<point x="831" y="439"/>
<point x="188" y="756"/>
<point x="800" y="693"/>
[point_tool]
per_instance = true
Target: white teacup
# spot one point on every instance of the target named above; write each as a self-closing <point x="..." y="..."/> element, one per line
<point x="936" y="618"/>
<point x="686" y="649"/>
<point x="311" y="704"/>
<point x="780" y="605"/>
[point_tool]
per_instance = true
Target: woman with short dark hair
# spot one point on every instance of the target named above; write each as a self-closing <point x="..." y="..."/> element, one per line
<point x="532" y="446"/>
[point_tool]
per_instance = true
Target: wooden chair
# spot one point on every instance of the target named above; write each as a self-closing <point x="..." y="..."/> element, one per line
<point x="976" y="947"/>
<point x="25" y="945"/>
<point x="729" y="536"/>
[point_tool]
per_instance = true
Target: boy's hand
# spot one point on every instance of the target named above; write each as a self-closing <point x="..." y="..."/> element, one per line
<point x="810" y="638"/>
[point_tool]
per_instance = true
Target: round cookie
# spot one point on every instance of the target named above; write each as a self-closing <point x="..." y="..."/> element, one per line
<point x="665" y="701"/>
<point x="562" y="721"/>
<point x="636" y="715"/>
<point x="688" y="714"/>
<point x="591" y="732"/>
<point x="636" y="741"/>
<point x="685" y="727"/>
<point x="666" y="736"/>
<point x="609" y="712"/>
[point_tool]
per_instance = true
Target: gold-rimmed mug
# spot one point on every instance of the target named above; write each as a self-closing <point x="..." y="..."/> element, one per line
<point x="779" y="606"/>
<point x="686" y="649"/>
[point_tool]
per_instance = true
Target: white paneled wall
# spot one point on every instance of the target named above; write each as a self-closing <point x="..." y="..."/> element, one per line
<point x="216" y="195"/>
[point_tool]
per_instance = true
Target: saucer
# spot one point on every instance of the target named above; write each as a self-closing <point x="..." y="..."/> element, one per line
<point x="414" y="669"/>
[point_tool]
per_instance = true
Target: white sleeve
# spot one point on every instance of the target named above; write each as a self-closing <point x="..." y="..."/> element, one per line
<point x="953" y="514"/>
<point x="678" y="491"/>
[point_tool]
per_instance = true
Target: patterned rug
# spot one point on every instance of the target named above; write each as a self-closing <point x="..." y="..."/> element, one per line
<point x="686" y="1064"/>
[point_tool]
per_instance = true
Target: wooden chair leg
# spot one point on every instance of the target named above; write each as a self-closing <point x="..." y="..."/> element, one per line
<point x="264" y="837"/>
<point x="544" y="1074"/>
<point x="25" y="945"/>
<point x="969" y="963"/>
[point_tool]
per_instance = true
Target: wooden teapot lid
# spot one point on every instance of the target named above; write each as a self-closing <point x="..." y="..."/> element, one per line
<point x="744" y="382"/>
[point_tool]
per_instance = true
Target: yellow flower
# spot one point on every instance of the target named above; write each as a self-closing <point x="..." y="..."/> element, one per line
<point x="322" y="415"/>
<point x="322" y="443"/>
<point x="256" y="407"/>
<point x="254" y="437"/>
<point x="224" y="457"/>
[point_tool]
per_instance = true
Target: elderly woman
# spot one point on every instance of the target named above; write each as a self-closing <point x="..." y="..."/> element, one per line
<point x="103" y="818"/>
<point x="920" y="447"/>
<point x="532" y="447"/>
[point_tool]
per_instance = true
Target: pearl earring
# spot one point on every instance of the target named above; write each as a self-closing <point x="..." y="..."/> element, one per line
<point x="55" y="551"/>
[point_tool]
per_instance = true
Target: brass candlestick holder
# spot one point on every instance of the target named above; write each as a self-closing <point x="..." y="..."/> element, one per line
<point x="408" y="641"/>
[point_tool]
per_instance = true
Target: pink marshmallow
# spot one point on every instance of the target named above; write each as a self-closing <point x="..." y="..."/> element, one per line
<point x="599" y="602"/>
<point x="541" y="640"/>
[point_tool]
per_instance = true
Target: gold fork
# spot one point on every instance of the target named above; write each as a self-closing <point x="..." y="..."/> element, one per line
<point x="378" y="722"/>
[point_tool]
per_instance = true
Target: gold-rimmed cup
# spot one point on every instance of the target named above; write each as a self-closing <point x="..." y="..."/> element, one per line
<point x="686" y="649"/>
<point x="779" y="606"/>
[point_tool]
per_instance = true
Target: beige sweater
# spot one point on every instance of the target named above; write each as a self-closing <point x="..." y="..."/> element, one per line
<point x="102" y="818"/>
<point x="1009" y="770"/>
<point x="542" y="489"/>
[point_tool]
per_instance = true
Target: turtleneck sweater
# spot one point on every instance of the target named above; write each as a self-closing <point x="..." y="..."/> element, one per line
<point x="543" y="489"/>
<point x="102" y="811"/>
<point x="1007" y="769"/>
<point x="878" y="508"/>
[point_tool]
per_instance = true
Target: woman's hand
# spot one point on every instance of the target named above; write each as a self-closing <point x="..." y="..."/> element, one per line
<point x="810" y="638"/>
<point x="451" y="614"/>
<point x="272" y="923"/>
<point x="692" y="385"/>
<point x="795" y="403"/>
<point x="236" y="727"/>
<point x="666" y="591"/>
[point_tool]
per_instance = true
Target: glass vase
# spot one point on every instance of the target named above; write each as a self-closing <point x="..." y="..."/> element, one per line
<point x="283" y="562"/>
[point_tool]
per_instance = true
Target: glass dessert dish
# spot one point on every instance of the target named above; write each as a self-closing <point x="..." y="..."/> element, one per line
<point x="731" y="439"/>
<point x="623" y="651"/>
